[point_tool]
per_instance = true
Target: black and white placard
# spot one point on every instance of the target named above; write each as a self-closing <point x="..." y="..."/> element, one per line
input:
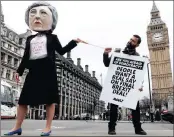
<point x="124" y="77"/>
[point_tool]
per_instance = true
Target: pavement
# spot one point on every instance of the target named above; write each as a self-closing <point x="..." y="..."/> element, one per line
<point x="89" y="128"/>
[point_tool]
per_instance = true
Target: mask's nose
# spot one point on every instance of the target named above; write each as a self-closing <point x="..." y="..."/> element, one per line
<point x="37" y="15"/>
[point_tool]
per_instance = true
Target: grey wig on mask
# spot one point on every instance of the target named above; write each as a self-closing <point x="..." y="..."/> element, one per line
<point x="40" y="3"/>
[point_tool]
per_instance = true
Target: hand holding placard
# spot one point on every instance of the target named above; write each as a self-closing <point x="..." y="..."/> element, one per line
<point x="107" y="50"/>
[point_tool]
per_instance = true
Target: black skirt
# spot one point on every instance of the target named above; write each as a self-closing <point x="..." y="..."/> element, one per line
<point x="40" y="86"/>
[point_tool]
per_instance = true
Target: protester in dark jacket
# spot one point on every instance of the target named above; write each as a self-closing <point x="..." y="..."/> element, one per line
<point x="157" y="115"/>
<point x="131" y="50"/>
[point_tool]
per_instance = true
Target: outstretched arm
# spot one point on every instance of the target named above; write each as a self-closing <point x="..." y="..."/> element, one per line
<point x="62" y="50"/>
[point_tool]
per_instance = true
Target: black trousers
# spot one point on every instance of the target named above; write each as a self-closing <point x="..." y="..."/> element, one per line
<point x="114" y="116"/>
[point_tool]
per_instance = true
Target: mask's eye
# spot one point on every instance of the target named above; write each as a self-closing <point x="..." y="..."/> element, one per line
<point x="32" y="12"/>
<point x="43" y="12"/>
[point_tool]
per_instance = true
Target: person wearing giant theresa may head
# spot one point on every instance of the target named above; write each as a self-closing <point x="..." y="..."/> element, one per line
<point x="40" y="85"/>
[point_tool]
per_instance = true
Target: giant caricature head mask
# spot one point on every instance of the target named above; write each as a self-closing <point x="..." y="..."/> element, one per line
<point x="41" y="16"/>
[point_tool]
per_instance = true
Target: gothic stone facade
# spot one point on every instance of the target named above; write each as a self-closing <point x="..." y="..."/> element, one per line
<point x="158" y="45"/>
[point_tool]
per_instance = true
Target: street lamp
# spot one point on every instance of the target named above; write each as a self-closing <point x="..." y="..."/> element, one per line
<point x="150" y="95"/>
<point x="150" y="92"/>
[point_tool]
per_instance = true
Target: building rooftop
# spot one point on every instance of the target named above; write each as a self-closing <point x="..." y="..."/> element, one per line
<point x="77" y="68"/>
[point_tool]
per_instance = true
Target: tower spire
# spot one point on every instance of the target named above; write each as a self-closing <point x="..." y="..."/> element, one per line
<point x="154" y="8"/>
<point x="155" y="16"/>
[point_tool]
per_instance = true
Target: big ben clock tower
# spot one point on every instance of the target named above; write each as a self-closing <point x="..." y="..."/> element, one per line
<point x="158" y="45"/>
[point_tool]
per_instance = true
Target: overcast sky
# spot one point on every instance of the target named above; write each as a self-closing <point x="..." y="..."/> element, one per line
<point x="104" y="23"/>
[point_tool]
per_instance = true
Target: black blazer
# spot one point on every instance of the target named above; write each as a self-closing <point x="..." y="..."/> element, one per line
<point x="53" y="45"/>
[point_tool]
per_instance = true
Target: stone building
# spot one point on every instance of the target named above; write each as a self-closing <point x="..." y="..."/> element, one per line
<point x="12" y="48"/>
<point x="158" y="45"/>
<point x="78" y="89"/>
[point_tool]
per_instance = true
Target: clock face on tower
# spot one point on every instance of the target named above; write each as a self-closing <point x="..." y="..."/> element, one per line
<point x="157" y="37"/>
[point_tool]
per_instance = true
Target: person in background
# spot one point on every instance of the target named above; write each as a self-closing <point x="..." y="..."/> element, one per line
<point x="104" y="115"/>
<point x="157" y="115"/>
<point x="147" y="116"/>
<point x="152" y="114"/>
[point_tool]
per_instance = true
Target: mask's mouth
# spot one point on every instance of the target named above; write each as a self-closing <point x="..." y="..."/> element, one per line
<point x="38" y="23"/>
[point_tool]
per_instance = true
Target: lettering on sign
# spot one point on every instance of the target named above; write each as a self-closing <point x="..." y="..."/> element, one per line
<point x="123" y="81"/>
<point x="37" y="47"/>
<point x="117" y="99"/>
<point x="124" y="78"/>
<point x="128" y="63"/>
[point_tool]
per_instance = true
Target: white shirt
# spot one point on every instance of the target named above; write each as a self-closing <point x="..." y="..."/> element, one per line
<point x="38" y="47"/>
